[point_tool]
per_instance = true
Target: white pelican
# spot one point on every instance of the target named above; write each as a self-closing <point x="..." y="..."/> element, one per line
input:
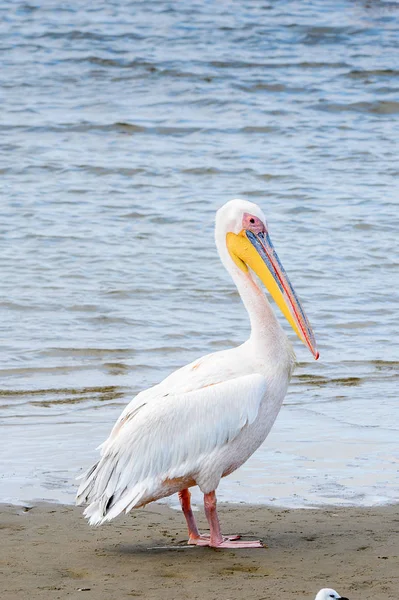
<point x="206" y="419"/>
<point x="327" y="593"/>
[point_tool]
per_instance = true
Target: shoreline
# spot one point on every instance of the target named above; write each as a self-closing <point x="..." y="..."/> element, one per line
<point x="49" y="551"/>
<point x="198" y="506"/>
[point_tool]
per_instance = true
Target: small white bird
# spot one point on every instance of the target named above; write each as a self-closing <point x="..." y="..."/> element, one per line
<point x="206" y="419"/>
<point x="327" y="593"/>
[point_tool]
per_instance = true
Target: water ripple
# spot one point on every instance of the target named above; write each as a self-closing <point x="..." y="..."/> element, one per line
<point x="121" y="133"/>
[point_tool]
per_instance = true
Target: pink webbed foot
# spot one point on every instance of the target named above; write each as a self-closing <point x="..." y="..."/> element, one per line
<point x="227" y="543"/>
<point x="205" y="540"/>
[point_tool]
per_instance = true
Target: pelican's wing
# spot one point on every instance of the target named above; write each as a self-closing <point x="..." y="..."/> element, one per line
<point x="164" y="438"/>
<point x="201" y="373"/>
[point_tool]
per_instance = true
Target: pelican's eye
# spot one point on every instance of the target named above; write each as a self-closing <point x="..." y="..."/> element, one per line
<point x="332" y="596"/>
<point x="253" y="223"/>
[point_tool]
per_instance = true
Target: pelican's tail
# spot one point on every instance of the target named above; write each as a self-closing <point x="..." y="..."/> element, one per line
<point x="86" y="486"/>
<point x="107" y="492"/>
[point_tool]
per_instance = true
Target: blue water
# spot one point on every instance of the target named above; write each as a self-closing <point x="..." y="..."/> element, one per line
<point x="124" y="126"/>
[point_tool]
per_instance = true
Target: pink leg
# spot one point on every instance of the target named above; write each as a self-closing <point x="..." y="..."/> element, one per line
<point x="194" y="536"/>
<point x="193" y="533"/>
<point x="216" y="538"/>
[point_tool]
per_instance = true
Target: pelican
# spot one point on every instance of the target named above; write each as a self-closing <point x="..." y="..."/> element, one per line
<point x="206" y="419"/>
<point x="327" y="593"/>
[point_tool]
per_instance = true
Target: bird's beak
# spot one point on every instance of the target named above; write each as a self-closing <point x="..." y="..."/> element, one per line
<point x="255" y="250"/>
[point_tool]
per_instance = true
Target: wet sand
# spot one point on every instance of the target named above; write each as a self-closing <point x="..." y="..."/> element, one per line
<point x="49" y="551"/>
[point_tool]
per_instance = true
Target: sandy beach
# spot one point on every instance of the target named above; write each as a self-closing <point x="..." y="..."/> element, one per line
<point x="49" y="551"/>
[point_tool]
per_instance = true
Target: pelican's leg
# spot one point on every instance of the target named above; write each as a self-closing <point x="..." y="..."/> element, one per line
<point x="194" y="536"/>
<point x="216" y="538"/>
<point x="193" y="533"/>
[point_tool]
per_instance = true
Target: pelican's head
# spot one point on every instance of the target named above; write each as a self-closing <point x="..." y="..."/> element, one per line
<point x="241" y="227"/>
<point x="327" y="594"/>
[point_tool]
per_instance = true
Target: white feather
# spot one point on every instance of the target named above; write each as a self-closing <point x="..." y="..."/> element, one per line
<point x="166" y="438"/>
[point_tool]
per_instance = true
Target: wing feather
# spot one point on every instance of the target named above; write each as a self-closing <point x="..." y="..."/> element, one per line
<point x="164" y="438"/>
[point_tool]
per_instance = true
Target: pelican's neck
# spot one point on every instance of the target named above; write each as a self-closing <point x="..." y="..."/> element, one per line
<point x="264" y="324"/>
<point x="267" y="336"/>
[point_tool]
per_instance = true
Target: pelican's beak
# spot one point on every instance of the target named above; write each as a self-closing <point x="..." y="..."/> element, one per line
<point x="255" y="250"/>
